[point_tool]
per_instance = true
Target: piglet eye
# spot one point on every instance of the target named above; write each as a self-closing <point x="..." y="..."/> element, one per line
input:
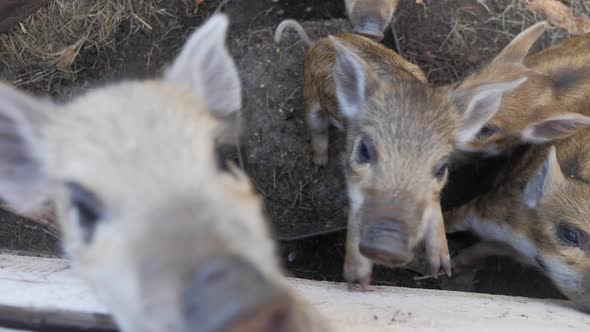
<point x="365" y="151"/>
<point x="441" y="168"/>
<point x="487" y="131"/>
<point x="570" y="235"/>
<point x="88" y="207"/>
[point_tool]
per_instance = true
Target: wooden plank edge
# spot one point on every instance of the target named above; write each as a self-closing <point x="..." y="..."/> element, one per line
<point x="49" y="292"/>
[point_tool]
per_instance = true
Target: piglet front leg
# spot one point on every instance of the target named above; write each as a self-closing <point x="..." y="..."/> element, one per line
<point x="437" y="249"/>
<point x="357" y="268"/>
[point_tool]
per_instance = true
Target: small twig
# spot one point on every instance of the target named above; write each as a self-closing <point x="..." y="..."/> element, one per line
<point x="429" y="276"/>
<point x="396" y="39"/>
<point x="308" y="235"/>
<point x="239" y="152"/>
<point x="483" y="3"/>
<point x="137" y="17"/>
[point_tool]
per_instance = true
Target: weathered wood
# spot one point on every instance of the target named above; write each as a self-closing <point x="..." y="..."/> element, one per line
<point x="397" y="309"/>
<point x="12" y="11"/>
<point x="45" y="285"/>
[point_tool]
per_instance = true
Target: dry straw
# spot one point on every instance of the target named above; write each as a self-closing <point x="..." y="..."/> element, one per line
<point x="44" y="45"/>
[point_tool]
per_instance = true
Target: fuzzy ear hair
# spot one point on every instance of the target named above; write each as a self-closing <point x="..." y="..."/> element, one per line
<point x="482" y="104"/>
<point x="555" y="127"/>
<point x="547" y="178"/>
<point x="205" y="67"/>
<point x="519" y="47"/>
<point x="351" y="78"/>
<point x="23" y="182"/>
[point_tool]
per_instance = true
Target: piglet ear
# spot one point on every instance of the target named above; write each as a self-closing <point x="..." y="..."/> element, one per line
<point x="519" y="47"/>
<point x="479" y="105"/>
<point x="352" y="80"/>
<point x="23" y="182"/>
<point x="546" y="179"/>
<point x="555" y="127"/>
<point x="206" y="68"/>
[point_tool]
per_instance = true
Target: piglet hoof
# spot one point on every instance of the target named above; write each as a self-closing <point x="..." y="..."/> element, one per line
<point x="362" y="284"/>
<point x="320" y="160"/>
<point x="440" y="260"/>
<point x="358" y="273"/>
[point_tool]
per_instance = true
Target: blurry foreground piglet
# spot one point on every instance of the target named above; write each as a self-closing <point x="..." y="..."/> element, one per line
<point x="169" y="241"/>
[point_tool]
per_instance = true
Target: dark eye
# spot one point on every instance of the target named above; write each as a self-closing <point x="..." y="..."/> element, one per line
<point x="571" y="235"/>
<point x="365" y="151"/>
<point x="441" y="168"/>
<point x="88" y="206"/>
<point x="487" y="131"/>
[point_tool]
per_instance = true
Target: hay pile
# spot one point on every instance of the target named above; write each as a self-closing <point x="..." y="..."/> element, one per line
<point x="44" y="46"/>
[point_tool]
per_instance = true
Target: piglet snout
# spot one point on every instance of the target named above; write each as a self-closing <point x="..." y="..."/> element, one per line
<point x="385" y="243"/>
<point x="229" y="294"/>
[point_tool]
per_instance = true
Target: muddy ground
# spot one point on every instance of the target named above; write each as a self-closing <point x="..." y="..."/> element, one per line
<point x="307" y="206"/>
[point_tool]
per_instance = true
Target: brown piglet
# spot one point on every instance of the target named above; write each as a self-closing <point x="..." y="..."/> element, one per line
<point x="399" y="135"/>
<point x="538" y="213"/>
<point x="553" y="104"/>
<point x="169" y="241"/>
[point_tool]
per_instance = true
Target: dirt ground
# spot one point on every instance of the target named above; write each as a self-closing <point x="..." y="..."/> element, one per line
<point x="307" y="206"/>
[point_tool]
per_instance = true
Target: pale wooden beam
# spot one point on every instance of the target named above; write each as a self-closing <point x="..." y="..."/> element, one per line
<point x="46" y="287"/>
<point x="399" y="309"/>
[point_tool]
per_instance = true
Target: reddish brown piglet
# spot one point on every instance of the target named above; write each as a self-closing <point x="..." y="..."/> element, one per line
<point x="399" y="135"/>
<point x="553" y="104"/>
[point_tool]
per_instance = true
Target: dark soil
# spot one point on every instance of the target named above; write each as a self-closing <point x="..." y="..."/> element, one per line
<point x="11" y="11"/>
<point x="307" y="206"/>
<point x="19" y="234"/>
<point x="301" y="199"/>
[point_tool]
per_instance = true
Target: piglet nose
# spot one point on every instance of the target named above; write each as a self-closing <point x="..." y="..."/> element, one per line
<point x="385" y="243"/>
<point x="229" y="294"/>
<point x="369" y="29"/>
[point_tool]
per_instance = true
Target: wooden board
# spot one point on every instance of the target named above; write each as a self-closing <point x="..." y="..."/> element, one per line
<point x="404" y="309"/>
<point x="47" y="287"/>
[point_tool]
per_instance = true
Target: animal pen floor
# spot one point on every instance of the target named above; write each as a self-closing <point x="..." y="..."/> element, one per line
<point x="307" y="207"/>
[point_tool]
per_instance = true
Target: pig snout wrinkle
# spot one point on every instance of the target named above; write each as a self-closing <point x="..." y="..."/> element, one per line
<point x="229" y="294"/>
<point x="385" y="243"/>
